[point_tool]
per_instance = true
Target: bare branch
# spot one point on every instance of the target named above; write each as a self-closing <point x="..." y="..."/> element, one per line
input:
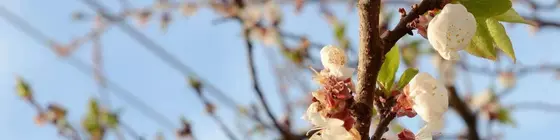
<point x="369" y="63"/>
<point x="391" y="37"/>
<point x="548" y="107"/>
<point x="257" y="88"/>
<point x="465" y="112"/>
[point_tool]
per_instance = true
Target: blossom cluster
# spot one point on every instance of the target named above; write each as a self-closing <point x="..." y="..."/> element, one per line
<point x="329" y="112"/>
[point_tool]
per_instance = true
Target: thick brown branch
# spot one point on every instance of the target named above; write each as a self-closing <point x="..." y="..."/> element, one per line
<point x="369" y="62"/>
<point x="464" y="111"/>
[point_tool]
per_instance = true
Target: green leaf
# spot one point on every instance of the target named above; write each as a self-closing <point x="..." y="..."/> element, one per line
<point x="486" y="8"/>
<point x="110" y="119"/>
<point x="390" y="66"/>
<point x="504" y="117"/>
<point x="406" y="77"/>
<point x="482" y="44"/>
<point x="500" y="37"/>
<point x="93" y="107"/>
<point x="23" y="88"/>
<point x="90" y="123"/>
<point x="512" y="16"/>
<point x="410" y="53"/>
<point x="374" y="111"/>
<point x="339" y="31"/>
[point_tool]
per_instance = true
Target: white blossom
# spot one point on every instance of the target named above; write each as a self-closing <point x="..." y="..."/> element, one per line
<point x="271" y="37"/>
<point x="320" y="96"/>
<point x="430" y="102"/>
<point x="507" y="79"/>
<point x="485" y="103"/>
<point x="451" y="30"/>
<point x="311" y="110"/>
<point x="251" y="15"/>
<point x="481" y="99"/>
<point x="272" y="11"/>
<point x="334" y="59"/>
<point x="329" y="128"/>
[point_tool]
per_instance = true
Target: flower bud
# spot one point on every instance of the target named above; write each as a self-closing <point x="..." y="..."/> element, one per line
<point x="507" y="79"/>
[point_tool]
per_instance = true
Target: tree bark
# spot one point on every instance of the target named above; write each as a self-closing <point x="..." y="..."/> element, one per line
<point x="369" y="62"/>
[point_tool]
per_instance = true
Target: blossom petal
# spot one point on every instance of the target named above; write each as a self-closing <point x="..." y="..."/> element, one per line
<point x="311" y="110"/>
<point x="333" y="57"/>
<point x="452" y="30"/>
<point x="320" y="96"/>
<point x="430" y="98"/>
<point x="429" y="129"/>
<point x="342" y="73"/>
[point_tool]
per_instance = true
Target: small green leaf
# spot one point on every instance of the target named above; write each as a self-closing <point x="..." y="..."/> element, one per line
<point x="406" y="77"/>
<point x="374" y="111"/>
<point x="390" y="66"/>
<point x="339" y="31"/>
<point x="93" y="107"/>
<point x="110" y="119"/>
<point x="293" y="55"/>
<point x="512" y="16"/>
<point x="23" y="88"/>
<point x="500" y="37"/>
<point x="90" y="123"/>
<point x="486" y="8"/>
<point x="410" y="53"/>
<point x="482" y="44"/>
<point x="504" y="117"/>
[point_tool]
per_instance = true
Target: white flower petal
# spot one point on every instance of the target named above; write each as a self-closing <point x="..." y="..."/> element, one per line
<point x="451" y="30"/>
<point x="342" y="73"/>
<point x="450" y="54"/>
<point x="311" y="110"/>
<point x="320" y="96"/>
<point x="333" y="57"/>
<point x="429" y="129"/>
<point x="481" y="99"/>
<point x="336" y="133"/>
<point x="430" y="98"/>
<point x="332" y="122"/>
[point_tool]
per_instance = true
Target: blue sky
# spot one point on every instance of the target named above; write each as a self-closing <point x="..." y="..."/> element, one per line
<point x="217" y="53"/>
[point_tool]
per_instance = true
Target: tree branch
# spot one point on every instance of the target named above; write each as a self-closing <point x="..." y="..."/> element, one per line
<point x="372" y="51"/>
<point x="464" y="111"/>
<point x="391" y="37"/>
<point x="257" y="88"/>
<point x="385" y="121"/>
<point x="369" y="62"/>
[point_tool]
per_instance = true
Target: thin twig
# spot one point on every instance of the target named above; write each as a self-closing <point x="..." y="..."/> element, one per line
<point x="257" y="88"/>
<point x="213" y="115"/>
<point x="120" y="92"/>
<point x="548" y="107"/>
<point x="465" y="112"/>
